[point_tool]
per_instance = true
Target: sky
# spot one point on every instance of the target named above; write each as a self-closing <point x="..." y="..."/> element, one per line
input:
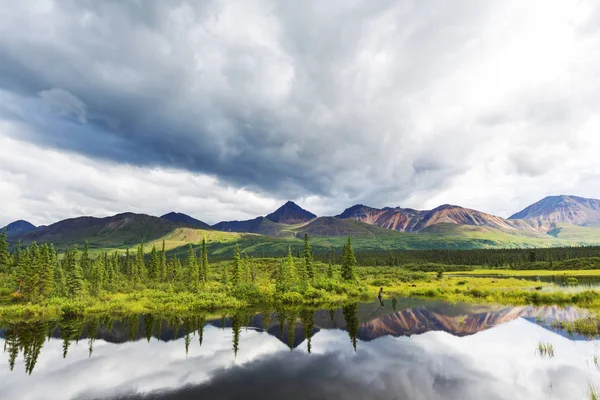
<point x="226" y="109"/>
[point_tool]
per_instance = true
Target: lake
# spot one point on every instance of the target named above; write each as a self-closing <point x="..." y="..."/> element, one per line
<point x="403" y="349"/>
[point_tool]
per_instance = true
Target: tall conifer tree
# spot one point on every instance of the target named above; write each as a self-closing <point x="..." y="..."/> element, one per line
<point x="192" y="267"/>
<point x="308" y="259"/>
<point x="4" y="256"/>
<point x="204" y="262"/>
<point x="348" y="262"/>
<point x="236" y="270"/>
<point x="163" y="264"/>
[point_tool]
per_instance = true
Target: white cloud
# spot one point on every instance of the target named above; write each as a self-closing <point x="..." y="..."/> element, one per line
<point x="490" y="105"/>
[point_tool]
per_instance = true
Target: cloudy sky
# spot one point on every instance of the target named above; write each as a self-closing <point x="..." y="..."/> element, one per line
<point x="225" y="109"/>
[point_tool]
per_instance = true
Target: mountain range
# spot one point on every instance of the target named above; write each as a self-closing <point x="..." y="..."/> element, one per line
<point x="552" y="221"/>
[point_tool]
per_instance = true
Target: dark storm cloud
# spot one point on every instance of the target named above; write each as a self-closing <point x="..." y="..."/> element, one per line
<point x="273" y="102"/>
<point x="378" y="102"/>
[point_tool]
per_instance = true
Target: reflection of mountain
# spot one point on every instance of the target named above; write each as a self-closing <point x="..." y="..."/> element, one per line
<point x="458" y="320"/>
<point x="412" y="318"/>
<point x="420" y="320"/>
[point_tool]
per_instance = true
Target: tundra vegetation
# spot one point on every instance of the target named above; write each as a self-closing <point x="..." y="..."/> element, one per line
<point x="38" y="282"/>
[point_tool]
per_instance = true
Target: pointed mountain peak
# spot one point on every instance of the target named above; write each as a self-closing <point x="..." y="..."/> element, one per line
<point x="290" y="213"/>
<point x="567" y="209"/>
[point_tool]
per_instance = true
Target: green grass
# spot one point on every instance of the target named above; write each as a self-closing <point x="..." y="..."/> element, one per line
<point x="513" y="272"/>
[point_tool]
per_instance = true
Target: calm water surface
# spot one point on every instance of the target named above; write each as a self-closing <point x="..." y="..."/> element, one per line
<point x="405" y="349"/>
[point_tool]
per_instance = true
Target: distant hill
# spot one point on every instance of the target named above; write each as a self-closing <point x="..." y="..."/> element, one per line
<point x="409" y="220"/>
<point x="571" y="210"/>
<point x="259" y="225"/>
<point x="186" y="219"/>
<point x="19" y="227"/>
<point x="290" y="213"/>
<point x="118" y="231"/>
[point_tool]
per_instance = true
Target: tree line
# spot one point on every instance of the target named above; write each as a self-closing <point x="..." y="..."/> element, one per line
<point x="38" y="272"/>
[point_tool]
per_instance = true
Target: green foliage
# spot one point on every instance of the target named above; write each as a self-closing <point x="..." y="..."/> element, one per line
<point x="4" y="255"/>
<point x="74" y="281"/>
<point x="348" y="262"/>
<point x="308" y="259"/>
<point x="203" y="262"/>
<point x="236" y="270"/>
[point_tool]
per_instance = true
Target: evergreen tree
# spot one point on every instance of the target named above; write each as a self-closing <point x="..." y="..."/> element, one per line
<point x="348" y="262"/>
<point x="74" y="284"/>
<point x="308" y="259"/>
<point x="4" y="256"/>
<point x="286" y="273"/>
<point x="192" y="267"/>
<point x="236" y="270"/>
<point x="128" y="269"/>
<point x="59" y="278"/>
<point x="32" y="272"/>
<point x="86" y="262"/>
<point x="46" y="279"/>
<point x="204" y="262"/>
<point x="153" y="264"/>
<point x="16" y="259"/>
<point x="330" y="270"/>
<point x="163" y="264"/>
<point x="139" y="266"/>
<point x="97" y="275"/>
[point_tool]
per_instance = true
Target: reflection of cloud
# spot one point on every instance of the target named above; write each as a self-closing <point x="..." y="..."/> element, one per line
<point x="499" y="363"/>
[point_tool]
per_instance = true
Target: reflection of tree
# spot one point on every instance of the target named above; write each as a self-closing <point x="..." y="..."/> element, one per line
<point x="190" y="325"/>
<point x="331" y="314"/>
<point x="291" y="329"/>
<point x="306" y="316"/>
<point x="236" y="327"/>
<point x="201" y="323"/>
<point x="134" y="326"/>
<point x="149" y="322"/>
<point x="11" y="342"/>
<point x="281" y="318"/>
<point x="350" y="315"/>
<point x="27" y="338"/>
<point x="92" y="332"/>
<point x="266" y="319"/>
<point x="70" y="329"/>
<point x="394" y="303"/>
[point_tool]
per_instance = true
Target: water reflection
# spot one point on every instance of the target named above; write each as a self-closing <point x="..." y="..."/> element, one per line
<point x="421" y="350"/>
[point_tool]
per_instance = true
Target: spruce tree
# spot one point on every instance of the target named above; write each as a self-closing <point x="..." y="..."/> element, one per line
<point x="74" y="284"/>
<point x="348" y="262"/>
<point x="204" y="262"/>
<point x="192" y="267"/>
<point x="236" y="270"/>
<point x="308" y="259"/>
<point x="139" y="267"/>
<point x="86" y="262"/>
<point x="97" y="275"/>
<point x="46" y="280"/>
<point x="153" y="264"/>
<point x="330" y="270"/>
<point x="4" y="256"/>
<point x="163" y="264"/>
<point x="32" y="272"/>
<point x="59" y="277"/>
